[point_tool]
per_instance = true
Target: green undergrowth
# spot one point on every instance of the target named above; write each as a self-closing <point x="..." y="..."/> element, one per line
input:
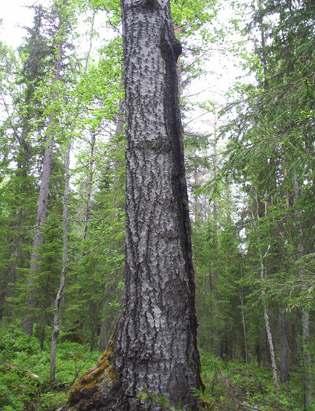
<point x="234" y="385"/>
<point x="229" y="385"/>
<point x="24" y="371"/>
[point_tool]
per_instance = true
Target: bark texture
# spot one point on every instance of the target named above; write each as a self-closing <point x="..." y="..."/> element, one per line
<point x="153" y="351"/>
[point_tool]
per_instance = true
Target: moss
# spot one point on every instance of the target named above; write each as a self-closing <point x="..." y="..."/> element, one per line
<point x="88" y="383"/>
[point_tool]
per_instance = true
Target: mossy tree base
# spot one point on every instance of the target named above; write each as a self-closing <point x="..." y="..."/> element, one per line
<point x="98" y="389"/>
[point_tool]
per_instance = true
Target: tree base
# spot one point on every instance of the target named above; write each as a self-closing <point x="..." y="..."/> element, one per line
<point x="98" y="389"/>
<point x="101" y="389"/>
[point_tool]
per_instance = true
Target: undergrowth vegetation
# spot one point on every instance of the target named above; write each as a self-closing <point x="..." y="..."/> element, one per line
<point x="229" y="385"/>
<point x="234" y="385"/>
<point x="24" y="371"/>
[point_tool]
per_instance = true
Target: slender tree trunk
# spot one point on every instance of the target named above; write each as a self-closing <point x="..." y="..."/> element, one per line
<point x="275" y="372"/>
<point x="88" y="55"/>
<point x="284" y="347"/>
<point x="38" y="237"/>
<point x="244" y="326"/>
<point x="92" y="143"/>
<point x="42" y="206"/>
<point x="307" y="359"/>
<point x="154" y="350"/>
<point x="60" y="293"/>
<point x="88" y="207"/>
<point x="65" y="219"/>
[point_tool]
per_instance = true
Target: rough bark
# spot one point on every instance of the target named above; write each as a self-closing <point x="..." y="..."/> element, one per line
<point x="153" y="351"/>
<point x="60" y="292"/>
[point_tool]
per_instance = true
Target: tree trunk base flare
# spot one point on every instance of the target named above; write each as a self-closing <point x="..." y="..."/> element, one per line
<point x="103" y="388"/>
<point x="98" y="389"/>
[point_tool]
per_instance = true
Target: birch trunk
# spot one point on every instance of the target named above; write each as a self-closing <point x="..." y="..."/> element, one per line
<point x="153" y="351"/>
<point x="60" y="292"/>
<point x="275" y="372"/>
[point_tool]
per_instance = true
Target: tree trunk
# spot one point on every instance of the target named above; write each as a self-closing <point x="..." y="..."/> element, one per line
<point x="307" y="359"/>
<point x="284" y="347"/>
<point x="275" y="372"/>
<point x="87" y="213"/>
<point x="38" y="237"/>
<point x="245" y="356"/>
<point x="42" y="206"/>
<point x="60" y="293"/>
<point x="153" y="352"/>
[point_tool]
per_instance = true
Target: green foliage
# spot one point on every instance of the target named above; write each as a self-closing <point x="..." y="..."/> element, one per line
<point x="235" y="385"/>
<point x="24" y="371"/>
<point x="24" y="378"/>
<point x="190" y="15"/>
<point x="251" y="194"/>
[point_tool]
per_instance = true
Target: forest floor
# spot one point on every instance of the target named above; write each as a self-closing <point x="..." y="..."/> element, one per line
<point x="229" y="385"/>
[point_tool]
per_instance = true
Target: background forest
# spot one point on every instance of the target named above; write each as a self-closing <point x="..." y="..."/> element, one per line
<point x="250" y="164"/>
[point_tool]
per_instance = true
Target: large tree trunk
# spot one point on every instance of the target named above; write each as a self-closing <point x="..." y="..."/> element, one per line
<point x="154" y="349"/>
